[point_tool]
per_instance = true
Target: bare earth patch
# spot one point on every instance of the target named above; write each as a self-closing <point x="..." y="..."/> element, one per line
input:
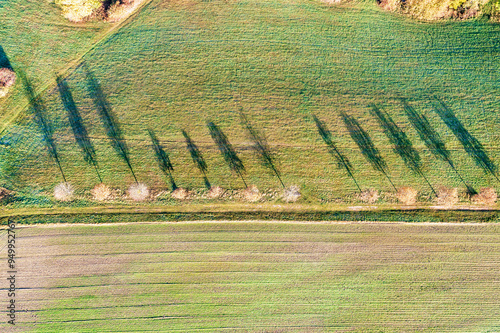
<point x="431" y="10"/>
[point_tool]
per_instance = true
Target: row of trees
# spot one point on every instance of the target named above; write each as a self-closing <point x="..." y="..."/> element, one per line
<point x="402" y="146"/>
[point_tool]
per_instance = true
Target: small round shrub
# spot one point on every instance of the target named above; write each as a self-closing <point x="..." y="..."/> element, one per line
<point x="447" y="196"/>
<point x="252" y="194"/>
<point x="101" y="192"/>
<point x="216" y="192"/>
<point x="369" y="196"/>
<point x="5" y="194"/>
<point x="291" y="194"/>
<point x="486" y="196"/>
<point x="64" y="192"/>
<point x="180" y="194"/>
<point x="7" y="79"/>
<point x="138" y="192"/>
<point x="407" y="195"/>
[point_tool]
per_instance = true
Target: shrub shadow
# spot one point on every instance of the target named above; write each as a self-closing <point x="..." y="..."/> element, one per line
<point x="261" y="147"/>
<point x="365" y="144"/>
<point x="79" y="131"/>
<point x="227" y="150"/>
<point x="4" y="60"/>
<point x="401" y="144"/>
<point x="342" y="160"/>
<point x="432" y="139"/>
<point x="40" y="115"/>
<point x="108" y="119"/>
<point x="471" y="145"/>
<point x="162" y="158"/>
<point x="197" y="157"/>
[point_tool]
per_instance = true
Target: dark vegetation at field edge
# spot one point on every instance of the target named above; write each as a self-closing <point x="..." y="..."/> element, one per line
<point x="383" y="215"/>
<point x="162" y="158"/>
<point x="79" y="131"/>
<point x="342" y="160"/>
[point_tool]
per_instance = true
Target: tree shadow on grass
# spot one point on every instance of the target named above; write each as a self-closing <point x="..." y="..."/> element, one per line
<point x="227" y="150"/>
<point x="4" y="60"/>
<point x="40" y="115"/>
<point x="197" y="157"/>
<point x="341" y="159"/>
<point x="79" y="131"/>
<point x="402" y="145"/>
<point x="432" y="139"/>
<point x="261" y="147"/>
<point x="108" y="119"/>
<point x="163" y="159"/>
<point x="365" y="144"/>
<point x="471" y="145"/>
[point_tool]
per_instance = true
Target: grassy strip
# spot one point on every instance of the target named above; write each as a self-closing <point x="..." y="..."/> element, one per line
<point x="210" y="213"/>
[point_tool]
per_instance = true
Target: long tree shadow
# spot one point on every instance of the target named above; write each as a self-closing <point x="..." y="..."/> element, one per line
<point x="402" y="145"/>
<point x="108" y="119"/>
<point x="261" y="147"/>
<point x="79" y="131"/>
<point x="341" y="159"/>
<point x="432" y="139"/>
<point x="41" y="119"/>
<point x="162" y="158"/>
<point x="4" y="60"/>
<point x="227" y="150"/>
<point x="365" y="144"/>
<point x="471" y="145"/>
<point x="197" y="157"/>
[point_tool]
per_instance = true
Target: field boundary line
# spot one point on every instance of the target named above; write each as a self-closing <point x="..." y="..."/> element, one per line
<point x="62" y="225"/>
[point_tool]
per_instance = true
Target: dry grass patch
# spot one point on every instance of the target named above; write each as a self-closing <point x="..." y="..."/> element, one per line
<point x="180" y="194"/>
<point x="486" y="196"/>
<point x="447" y="196"/>
<point x="292" y="194"/>
<point x="332" y="2"/>
<point x="79" y="10"/>
<point x="4" y="194"/>
<point x="407" y="195"/>
<point x="216" y="192"/>
<point x="252" y="194"/>
<point x="369" y="196"/>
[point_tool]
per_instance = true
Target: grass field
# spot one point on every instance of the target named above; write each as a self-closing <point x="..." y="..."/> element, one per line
<point x="179" y="64"/>
<point x="258" y="277"/>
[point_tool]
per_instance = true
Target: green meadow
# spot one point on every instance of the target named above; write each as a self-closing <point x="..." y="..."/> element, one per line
<point x="176" y="65"/>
